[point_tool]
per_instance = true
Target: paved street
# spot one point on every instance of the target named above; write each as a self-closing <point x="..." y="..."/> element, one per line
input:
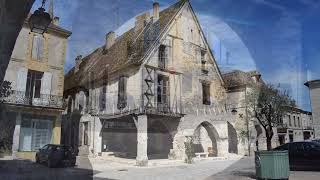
<point x="242" y="169"/>
<point x="28" y="170"/>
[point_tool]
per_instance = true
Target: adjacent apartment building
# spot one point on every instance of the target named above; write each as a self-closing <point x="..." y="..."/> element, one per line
<point x="144" y="93"/>
<point x="36" y="71"/>
<point x="297" y="125"/>
<point x="314" y="89"/>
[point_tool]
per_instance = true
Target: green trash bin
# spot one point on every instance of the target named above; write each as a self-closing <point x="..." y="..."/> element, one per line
<point x="272" y="164"/>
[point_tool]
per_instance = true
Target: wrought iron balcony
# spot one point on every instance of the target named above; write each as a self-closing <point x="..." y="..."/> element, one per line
<point x="45" y="100"/>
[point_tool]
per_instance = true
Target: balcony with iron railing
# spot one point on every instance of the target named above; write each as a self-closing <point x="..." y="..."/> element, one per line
<point x="44" y="100"/>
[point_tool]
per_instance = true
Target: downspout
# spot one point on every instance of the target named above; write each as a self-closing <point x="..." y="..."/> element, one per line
<point x="247" y="121"/>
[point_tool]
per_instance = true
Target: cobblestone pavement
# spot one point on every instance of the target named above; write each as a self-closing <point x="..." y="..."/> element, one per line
<point x="28" y="170"/>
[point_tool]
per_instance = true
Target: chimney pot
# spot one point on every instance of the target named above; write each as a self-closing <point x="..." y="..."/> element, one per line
<point x="56" y="21"/>
<point x="78" y="62"/>
<point x="155" y="11"/>
<point x="110" y="39"/>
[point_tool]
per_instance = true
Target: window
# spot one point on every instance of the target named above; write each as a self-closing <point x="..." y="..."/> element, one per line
<point x="163" y="91"/>
<point x="206" y="94"/>
<point x="162" y="57"/>
<point x="204" y="69"/>
<point x="37" y="47"/>
<point x="294" y="121"/>
<point x="34" y="133"/>
<point x="299" y="122"/>
<point x="33" y="87"/>
<point x="85" y="133"/>
<point x="122" y="92"/>
<point x="290" y="123"/>
<point x="103" y="99"/>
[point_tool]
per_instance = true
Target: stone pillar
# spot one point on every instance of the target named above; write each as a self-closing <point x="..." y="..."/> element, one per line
<point x="56" y="133"/>
<point x="222" y="146"/>
<point x="97" y="136"/>
<point x="16" y="136"/>
<point x="142" y="140"/>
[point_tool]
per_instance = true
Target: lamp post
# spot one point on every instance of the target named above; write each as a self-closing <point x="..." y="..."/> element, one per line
<point x="40" y="20"/>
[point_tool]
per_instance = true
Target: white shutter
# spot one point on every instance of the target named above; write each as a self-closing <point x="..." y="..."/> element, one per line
<point x="46" y="83"/>
<point x="22" y="79"/>
<point x="40" y="48"/>
<point x="35" y="46"/>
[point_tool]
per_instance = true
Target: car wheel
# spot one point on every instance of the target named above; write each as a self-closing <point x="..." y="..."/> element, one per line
<point x="37" y="159"/>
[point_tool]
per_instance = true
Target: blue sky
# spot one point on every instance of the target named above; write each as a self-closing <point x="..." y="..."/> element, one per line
<point x="279" y="38"/>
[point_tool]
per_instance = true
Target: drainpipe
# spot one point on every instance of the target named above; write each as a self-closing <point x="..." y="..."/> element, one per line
<point x="247" y="121"/>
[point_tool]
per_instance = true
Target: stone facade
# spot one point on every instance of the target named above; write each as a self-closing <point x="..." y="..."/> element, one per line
<point x="297" y="126"/>
<point x="36" y="71"/>
<point x="153" y="95"/>
<point x="249" y="133"/>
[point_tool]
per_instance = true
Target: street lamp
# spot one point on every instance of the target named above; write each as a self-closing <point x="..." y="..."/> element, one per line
<point x="40" y="20"/>
<point x="234" y="111"/>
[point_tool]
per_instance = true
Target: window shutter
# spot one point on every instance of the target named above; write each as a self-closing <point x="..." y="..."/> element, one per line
<point x="22" y="79"/>
<point x="40" y="48"/>
<point x="46" y="83"/>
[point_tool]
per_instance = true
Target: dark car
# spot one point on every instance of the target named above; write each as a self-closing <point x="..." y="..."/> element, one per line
<point x="316" y="140"/>
<point x="303" y="155"/>
<point x="54" y="155"/>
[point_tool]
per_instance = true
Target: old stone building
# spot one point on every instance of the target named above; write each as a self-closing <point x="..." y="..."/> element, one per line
<point x="314" y="89"/>
<point x="36" y="71"/>
<point x="144" y="92"/>
<point x="239" y="84"/>
<point x="296" y="125"/>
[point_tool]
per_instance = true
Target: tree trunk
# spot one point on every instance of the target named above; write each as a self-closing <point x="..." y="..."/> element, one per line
<point x="269" y="144"/>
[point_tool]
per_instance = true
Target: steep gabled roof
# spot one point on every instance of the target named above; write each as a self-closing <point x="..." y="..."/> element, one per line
<point x="123" y="53"/>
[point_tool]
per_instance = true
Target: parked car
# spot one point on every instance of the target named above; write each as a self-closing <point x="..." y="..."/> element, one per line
<point x="316" y="140"/>
<point x="303" y="155"/>
<point x="54" y="155"/>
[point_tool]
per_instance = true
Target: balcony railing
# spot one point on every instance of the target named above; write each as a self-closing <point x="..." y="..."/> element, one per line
<point x="45" y="100"/>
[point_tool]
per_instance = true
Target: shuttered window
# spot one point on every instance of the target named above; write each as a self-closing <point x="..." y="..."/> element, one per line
<point x="37" y="47"/>
<point x="122" y="92"/>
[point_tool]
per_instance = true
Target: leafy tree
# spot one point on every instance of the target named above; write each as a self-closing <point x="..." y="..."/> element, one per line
<point x="6" y="124"/>
<point x="5" y="90"/>
<point x="268" y="105"/>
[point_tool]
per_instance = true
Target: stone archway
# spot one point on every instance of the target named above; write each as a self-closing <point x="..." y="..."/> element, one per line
<point x="159" y="141"/>
<point x="232" y="139"/>
<point x="206" y="139"/>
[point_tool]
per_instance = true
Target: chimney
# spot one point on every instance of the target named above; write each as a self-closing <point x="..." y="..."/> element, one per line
<point x="110" y="39"/>
<point x="155" y="11"/>
<point x="78" y="62"/>
<point x="56" y="21"/>
<point x="141" y="21"/>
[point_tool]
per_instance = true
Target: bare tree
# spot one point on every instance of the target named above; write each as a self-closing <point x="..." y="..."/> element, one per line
<point x="268" y="106"/>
